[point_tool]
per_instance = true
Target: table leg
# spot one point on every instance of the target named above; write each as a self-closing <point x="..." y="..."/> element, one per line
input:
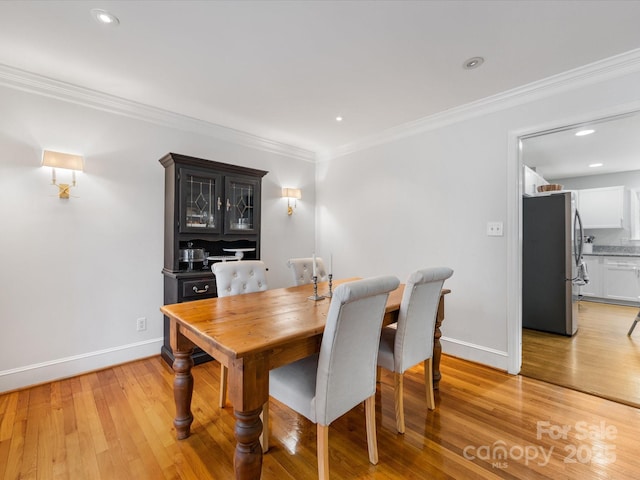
<point x="437" y="347"/>
<point x="182" y="392"/>
<point x="248" y="456"/>
<point x="248" y="392"/>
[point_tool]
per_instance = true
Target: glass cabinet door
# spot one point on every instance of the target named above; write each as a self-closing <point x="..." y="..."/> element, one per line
<point x="200" y="202"/>
<point x="242" y="205"/>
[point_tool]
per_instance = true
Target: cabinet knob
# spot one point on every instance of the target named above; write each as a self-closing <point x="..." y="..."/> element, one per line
<point x="228" y="205"/>
<point x="219" y="203"/>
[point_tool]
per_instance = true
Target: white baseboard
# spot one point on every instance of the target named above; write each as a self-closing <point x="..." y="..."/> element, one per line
<point x="70" y="366"/>
<point x="475" y="353"/>
<point x="75" y="365"/>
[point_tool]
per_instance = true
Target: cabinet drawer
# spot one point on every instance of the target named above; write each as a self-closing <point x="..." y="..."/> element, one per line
<point x="193" y="289"/>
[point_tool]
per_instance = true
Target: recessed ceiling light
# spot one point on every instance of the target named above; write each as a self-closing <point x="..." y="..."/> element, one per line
<point x="338" y="118"/>
<point x="595" y="165"/>
<point x="582" y="133"/>
<point x="103" y="17"/>
<point x="473" y="62"/>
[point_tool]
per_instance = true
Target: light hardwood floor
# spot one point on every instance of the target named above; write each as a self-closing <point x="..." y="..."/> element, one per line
<point x="117" y="424"/>
<point x="600" y="359"/>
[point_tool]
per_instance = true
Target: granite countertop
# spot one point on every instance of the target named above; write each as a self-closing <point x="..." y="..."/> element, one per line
<point x="615" y="251"/>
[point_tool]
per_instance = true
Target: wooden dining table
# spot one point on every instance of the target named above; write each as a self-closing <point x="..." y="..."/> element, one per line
<point x="251" y="334"/>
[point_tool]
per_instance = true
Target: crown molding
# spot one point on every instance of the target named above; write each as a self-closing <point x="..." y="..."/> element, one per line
<point x="612" y="67"/>
<point x="37" y="84"/>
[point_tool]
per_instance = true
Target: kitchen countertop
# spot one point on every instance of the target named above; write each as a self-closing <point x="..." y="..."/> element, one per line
<point x="615" y="251"/>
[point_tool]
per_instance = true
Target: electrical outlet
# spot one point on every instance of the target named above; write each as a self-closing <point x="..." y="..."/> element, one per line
<point x="494" y="229"/>
<point x="141" y="324"/>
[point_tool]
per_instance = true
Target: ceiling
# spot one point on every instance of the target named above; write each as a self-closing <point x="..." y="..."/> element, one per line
<point x="284" y="70"/>
<point x="615" y="143"/>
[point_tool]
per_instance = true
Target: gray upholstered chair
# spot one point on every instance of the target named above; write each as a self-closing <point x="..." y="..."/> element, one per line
<point x="236" y="278"/>
<point x="325" y="386"/>
<point x="410" y="341"/>
<point x="302" y="270"/>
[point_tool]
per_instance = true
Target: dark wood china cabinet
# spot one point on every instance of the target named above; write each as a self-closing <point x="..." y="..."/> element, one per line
<point x="211" y="213"/>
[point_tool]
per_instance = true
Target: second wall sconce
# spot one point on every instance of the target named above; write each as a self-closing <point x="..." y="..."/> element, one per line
<point x="289" y="194"/>
<point x="66" y="161"/>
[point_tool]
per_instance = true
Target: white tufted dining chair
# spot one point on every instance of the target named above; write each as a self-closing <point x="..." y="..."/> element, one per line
<point x="410" y="341"/>
<point x="302" y="270"/>
<point x="236" y="278"/>
<point x="325" y="386"/>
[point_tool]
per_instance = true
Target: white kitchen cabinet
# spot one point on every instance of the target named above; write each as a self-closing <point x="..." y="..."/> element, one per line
<point x="622" y="278"/>
<point x="595" y="287"/>
<point x="606" y="207"/>
<point x="532" y="180"/>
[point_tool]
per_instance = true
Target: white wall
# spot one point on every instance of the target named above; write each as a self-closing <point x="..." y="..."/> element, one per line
<point x="628" y="179"/>
<point x="425" y="200"/>
<point x="77" y="273"/>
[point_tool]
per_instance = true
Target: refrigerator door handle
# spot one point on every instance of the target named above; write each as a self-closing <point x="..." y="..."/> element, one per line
<point x="578" y="242"/>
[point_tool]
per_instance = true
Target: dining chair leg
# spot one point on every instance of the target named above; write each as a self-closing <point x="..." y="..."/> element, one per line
<point x="372" y="441"/>
<point x="398" y="390"/>
<point x="264" y="436"/>
<point x="223" y="386"/>
<point x="633" y="325"/>
<point x="428" y="380"/>
<point x="323" y="452"/>
<point x="378" y="374"/>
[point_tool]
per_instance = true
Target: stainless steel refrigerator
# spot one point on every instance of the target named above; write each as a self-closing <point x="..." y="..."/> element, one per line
<point x="552" y="265"/>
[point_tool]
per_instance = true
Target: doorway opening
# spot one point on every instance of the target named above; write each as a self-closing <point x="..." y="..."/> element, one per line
<point x="600" y="358"/>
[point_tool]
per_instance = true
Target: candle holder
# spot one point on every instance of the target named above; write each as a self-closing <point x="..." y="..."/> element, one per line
<point x="330" y="293"/>
<point x="315" y="297"/>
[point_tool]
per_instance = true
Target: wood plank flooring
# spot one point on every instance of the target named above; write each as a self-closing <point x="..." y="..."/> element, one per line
<point x="117" y="424"/>
<point x="600" y="359"/>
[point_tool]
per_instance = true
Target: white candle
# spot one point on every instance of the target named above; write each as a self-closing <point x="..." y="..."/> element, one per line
<point x="331" y="263"/>
<point x="314" y="265"/>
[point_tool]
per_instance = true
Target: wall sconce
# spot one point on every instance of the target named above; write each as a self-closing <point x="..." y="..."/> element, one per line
<point x="66" y="161"/>
<point x="291" y="193"/>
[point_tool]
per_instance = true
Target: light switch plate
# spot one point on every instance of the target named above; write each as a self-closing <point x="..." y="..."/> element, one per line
<point x="494" y="229"/>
